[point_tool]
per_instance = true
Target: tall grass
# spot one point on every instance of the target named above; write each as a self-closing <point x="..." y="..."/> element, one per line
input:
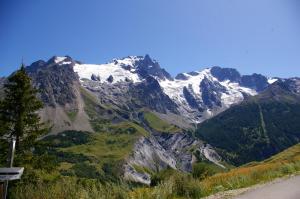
<point x="70" y="188"/>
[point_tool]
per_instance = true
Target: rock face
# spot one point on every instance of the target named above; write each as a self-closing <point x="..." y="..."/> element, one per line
<point x="211" y="93"/>
<point x="59" y="89"/>
<point x="148" y="67"/>
<point x="54" y="82"/>
<point x="160" y="151"/>
<point x="256" y="81"/>
<point x="223" y="74"/>
<point x="150" y="95"/>
<point x="293" y="85"/>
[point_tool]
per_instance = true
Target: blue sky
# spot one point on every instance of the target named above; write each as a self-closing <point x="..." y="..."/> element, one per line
<point x="260" y="36"/>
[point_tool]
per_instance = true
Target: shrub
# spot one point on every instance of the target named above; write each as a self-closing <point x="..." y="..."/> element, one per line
<point x="202" y="170"/>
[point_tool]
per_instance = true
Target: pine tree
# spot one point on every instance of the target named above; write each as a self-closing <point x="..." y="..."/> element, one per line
<point x="18" y="110"/>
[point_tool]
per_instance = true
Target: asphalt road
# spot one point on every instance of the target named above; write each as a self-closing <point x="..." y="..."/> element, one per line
<point x="285" y="189"/>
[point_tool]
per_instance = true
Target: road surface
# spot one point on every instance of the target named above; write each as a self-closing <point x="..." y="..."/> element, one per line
<point x="285" y="189"/>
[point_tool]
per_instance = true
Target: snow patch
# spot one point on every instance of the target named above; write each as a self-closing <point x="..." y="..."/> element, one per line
<point x="115" y="69"/>
<point x="272" y="80"/>
<point x="59" y="59"/>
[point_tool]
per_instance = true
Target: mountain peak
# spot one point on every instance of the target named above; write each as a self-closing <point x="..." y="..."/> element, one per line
<point x="223" y="74"/>
<point x="148" y="66"/>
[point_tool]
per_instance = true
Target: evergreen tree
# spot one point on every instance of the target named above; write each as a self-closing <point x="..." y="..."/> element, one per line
<point x="18" y="110"/>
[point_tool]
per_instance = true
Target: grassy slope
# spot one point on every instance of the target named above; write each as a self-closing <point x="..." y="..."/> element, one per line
<point x="181" y="186"/>
<point x="158" y="124"/>
<point x="110" y="147"/>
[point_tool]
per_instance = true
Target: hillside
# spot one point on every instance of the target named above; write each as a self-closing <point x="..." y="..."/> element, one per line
<point x="174" y="184"/>
<point x="259" y="127"/>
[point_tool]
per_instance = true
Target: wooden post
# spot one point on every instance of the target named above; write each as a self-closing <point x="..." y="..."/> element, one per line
<point x="10" y="161"/>
<point x="1" y="190"/>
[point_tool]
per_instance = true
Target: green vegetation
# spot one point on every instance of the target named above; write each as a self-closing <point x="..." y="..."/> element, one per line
<point x="95" y="111"/>
<point x="72" y="114"/>
<point x="255" y="129"/>
<point x="45" y="175"/>
<point x="91" y="162"/>
<point x="70" y="188"/>
<point x="158" y="124"/>
<point x="18" y="111"/>
<point x="68" y="138"/>
<point x="100" y="153"/>
<point x="202" y="170"/>
<point x="105" y="147"/>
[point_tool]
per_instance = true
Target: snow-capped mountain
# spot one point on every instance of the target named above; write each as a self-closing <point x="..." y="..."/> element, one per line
<point x="86" y="97"/>
<point x="130" y="69"/>
<point x="198" y="95"/>
<point x="201" y="95"/>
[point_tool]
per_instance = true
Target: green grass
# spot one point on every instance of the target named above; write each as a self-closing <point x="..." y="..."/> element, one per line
<point x="72" y="114"/>
<point x="291" y="154"/>
<point x="141" y="169"/>
<point x="70" y="188"/>
<point x="203" y="169"/>
<point x="107" y="149"/>
<point x="102" y="152"/>
<point x="64" y="166"/>
<point x="95" y="111"/>
<point x="158" y="124"/>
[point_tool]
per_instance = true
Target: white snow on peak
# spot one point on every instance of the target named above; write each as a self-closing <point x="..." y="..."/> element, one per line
<point x="114" y="68"/>
<point x="127" y="61"/>
<point x="272" y="80"/>
<point x="174" y="89"/>
<point x="234" y="93"/>
<point x="59" y="59"/>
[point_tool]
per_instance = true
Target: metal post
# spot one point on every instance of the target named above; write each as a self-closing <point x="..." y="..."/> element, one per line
<point x="10" y="161"/>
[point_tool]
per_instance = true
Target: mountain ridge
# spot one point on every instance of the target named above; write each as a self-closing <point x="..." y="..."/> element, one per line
<point x="183" y="90"/>
<point x="196" y="95"/>
<point x="258" y="127"/>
